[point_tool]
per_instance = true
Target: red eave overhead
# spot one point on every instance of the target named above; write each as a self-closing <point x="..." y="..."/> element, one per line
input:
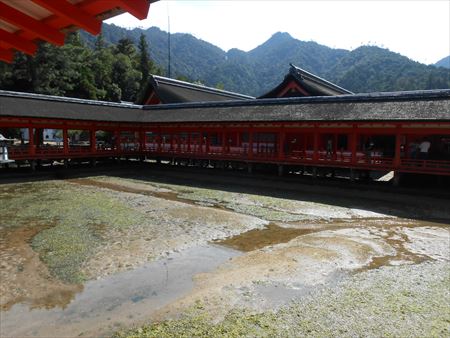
<point x="22" y="22"/>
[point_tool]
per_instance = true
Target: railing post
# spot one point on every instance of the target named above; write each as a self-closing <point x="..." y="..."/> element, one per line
<point x="398" y="142"/>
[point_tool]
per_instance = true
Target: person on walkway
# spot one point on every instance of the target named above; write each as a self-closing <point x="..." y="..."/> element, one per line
<point x="424" y="148"/>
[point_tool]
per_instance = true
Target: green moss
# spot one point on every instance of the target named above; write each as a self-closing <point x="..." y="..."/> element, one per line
<point x="75" y="219"/>
<point x="64" y="248"/>
<point x="198" y="323"/>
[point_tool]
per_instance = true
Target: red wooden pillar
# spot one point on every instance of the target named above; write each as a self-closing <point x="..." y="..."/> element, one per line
<point x="66" y="141"/>
<point x="189" y="142"/>
<point x="282" y="140"/>
<point x="353" y="145"/>
<point x="142" y="141"/>
<point x="116" y="144"/>
<point x="398" y="143"/>
<point x="257" y="144"/>
<point x="316" y="144"/>
<point x="92" y="140"/>
<point x="305" y="145"/>
<point x="158" y="143"/>
<point x="250" y="142"/>
<point x="32" y="147"/>
<point x="171" y="142"/>
<point x="224" y="141"/>
<point x="176" y="143"/>
<point x="204" y="141"/>
<point x="200" y="140"/>
<point x="335" y="146"/>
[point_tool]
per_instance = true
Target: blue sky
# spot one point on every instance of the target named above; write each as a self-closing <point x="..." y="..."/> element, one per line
<point x="418" y="29"/>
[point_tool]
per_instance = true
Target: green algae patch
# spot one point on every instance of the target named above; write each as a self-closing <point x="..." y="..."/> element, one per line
<point x="76" y="219"/>
<point x="406" y="301"/>
<point x="64" y="248"/>
<point x="196" y="322"/>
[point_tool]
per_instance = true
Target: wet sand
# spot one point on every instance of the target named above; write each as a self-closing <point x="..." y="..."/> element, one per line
<point x="119" y="300"/>
<point x="230" y="248"/>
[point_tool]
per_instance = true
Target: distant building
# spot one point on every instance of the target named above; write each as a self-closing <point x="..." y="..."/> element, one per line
<point x="297" y="83"/>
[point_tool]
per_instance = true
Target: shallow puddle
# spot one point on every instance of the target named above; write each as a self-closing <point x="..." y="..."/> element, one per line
<point x="118" y="300"/>
<point x="402" y="256"/>
<point x="270" y="235"/>
<point x="168" y="195"/>
<point x="25" y="279"/>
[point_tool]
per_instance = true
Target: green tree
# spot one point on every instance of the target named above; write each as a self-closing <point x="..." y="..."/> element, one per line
<point x="126" y="47"/>
<point x="22" y="75"/>
<point x="101" y="67"/>
<point x="125" y="75"/>
<point x="144" y="60"/>
<point x="79" y="71"/>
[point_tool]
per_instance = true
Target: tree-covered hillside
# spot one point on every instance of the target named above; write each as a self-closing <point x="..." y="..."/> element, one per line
<point x="368" y="68"/>
<point x="115" y="66"/>
<point x="101" y="72"/>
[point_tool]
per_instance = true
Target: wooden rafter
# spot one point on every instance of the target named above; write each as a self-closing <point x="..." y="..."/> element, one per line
<point x="17" y="42"/>
<point x="137" y="8"/>
<point x="293" y="85"/>
<point x="25" y="22"/>
<point x="6" y="55"/>
<point x="72" y="13"/>
<point x="49" y="20"/>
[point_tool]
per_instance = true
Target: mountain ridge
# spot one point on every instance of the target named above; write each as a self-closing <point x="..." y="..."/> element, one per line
<point x="364" y="69"/>
<point x="444" y="62"/>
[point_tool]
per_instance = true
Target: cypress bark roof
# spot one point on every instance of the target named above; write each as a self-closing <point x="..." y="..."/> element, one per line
<point x="432" y="105"/>
<point x="168" y="90"/>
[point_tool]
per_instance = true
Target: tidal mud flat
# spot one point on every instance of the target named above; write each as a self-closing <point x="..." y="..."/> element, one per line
<point x="164" y="254"/>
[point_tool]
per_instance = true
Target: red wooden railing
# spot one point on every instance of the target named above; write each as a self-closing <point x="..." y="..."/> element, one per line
<point x="258" y="153"/>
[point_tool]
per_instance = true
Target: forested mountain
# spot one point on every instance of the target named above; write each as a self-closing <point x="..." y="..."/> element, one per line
<point x="365" y="69"/>
<point x="445" y="62"/>
<point x="115" y="65"/>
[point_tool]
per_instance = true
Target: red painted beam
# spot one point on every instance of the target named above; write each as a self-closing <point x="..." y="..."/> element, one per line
<point x="72" y="13"/>
<point x="17" y="42"/>
<point x="137" y="8"/>
<point x="6" y="55"/>
<point x="27" y="23"/>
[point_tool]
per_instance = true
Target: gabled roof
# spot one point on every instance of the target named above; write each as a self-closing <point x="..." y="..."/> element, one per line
<point x="23" y="22"/>
<point x="165" y="90"/>
<point x="298" y="82"/>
